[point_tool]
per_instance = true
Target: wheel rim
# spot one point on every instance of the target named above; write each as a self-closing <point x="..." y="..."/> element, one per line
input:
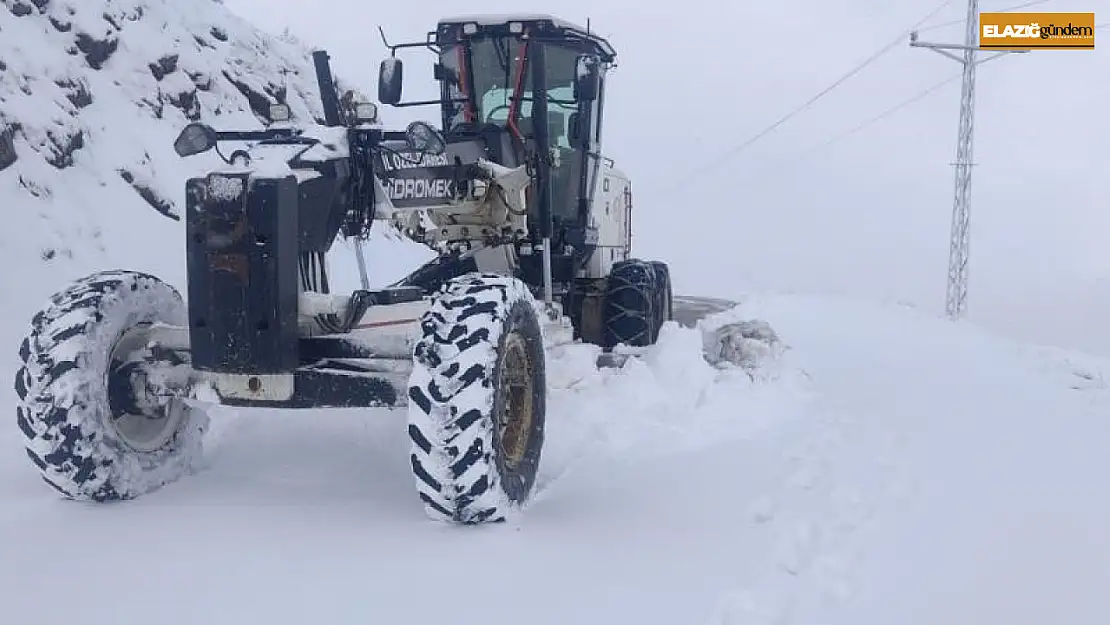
<point x="143" y="392"/>
<point x="516" y="416"/>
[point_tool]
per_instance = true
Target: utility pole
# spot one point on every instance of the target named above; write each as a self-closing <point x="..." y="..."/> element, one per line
<point x="956" y="297"/>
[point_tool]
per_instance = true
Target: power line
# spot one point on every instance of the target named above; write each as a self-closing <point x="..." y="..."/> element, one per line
<point x="1006" y="10"/>
<point x="892" y="110"/>
<point x="868" y="61"/>
<point x="881" y="116"/>
<point x="921" y="95"/>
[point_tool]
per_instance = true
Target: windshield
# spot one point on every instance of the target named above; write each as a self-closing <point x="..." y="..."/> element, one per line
<point x="495" y="71"/>
<point x="495" y="108"/>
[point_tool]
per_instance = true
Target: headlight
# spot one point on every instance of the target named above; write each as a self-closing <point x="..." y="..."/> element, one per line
<point x="366" y="113"/>
<point x="280" y="113"/>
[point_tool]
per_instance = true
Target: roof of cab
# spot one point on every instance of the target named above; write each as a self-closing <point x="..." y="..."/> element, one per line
<point x="500" y="19"/>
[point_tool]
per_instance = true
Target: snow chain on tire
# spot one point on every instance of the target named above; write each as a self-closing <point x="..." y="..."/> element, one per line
<point x="480" y="357"/>
<point x="630" y="301"/>
<point x="64" y="385"/>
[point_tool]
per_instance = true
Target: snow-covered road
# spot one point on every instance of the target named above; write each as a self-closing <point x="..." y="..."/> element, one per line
<point x="887" y="468"/>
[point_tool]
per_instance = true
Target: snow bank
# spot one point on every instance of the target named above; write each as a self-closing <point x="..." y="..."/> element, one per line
<point x="668" y="400"/>
<point x="92" y="95"/>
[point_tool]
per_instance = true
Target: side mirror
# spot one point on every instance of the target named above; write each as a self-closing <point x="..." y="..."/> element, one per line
<point x="587" y="78"/>
<point x="389" y="80"/>
<point x="424" y="139"/>
<point x="195" y="139"/>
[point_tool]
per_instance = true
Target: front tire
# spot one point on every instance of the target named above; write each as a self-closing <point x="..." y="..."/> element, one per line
<point x="97" y="408"/>
<point x="477" y="400"/>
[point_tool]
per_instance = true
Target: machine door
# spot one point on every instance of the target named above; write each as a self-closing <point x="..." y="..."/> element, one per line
<point x="497" y="72"/>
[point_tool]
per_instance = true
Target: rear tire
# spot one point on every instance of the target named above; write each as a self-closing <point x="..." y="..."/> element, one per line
<point x="95" y="405"/>
<point x="630" y="305"/>
<point x="477" y="400"/>
<point x="664" y="296"/>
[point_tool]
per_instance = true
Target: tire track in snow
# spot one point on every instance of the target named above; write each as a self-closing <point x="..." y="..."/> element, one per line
<point x="769" y="600"/>
<point x="826" y="503"/>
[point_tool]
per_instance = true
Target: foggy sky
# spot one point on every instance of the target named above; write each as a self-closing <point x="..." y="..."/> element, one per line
<point x="868" y="215"/>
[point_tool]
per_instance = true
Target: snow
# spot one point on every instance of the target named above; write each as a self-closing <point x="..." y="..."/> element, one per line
<point x="884" y="466"/>
<point x="885" y="459"/>
<point x="225" y="188"/>
<point x="174" y="63"/>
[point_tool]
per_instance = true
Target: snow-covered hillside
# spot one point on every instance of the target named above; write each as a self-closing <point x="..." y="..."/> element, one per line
<point x="92" y="95"/>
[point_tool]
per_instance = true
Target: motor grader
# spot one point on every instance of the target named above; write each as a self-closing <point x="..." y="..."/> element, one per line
<point x="531" y="223"/>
